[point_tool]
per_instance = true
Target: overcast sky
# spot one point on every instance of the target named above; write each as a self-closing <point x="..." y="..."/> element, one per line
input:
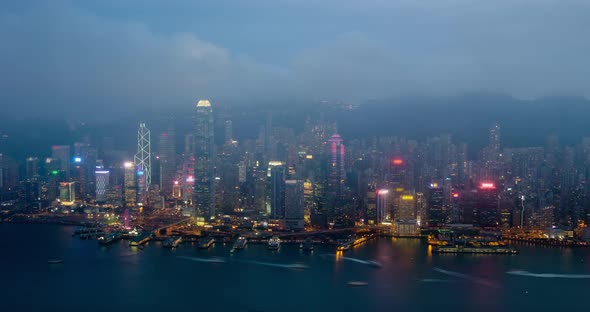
<point x="96" y="56"/>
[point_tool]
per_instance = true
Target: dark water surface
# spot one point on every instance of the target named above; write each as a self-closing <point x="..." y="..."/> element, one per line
<point x="116" y="277"/>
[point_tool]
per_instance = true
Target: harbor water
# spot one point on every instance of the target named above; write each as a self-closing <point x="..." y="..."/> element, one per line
<point x="408" y="277"/>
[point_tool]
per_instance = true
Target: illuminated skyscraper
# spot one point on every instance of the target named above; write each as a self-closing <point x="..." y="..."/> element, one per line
<point x="102" y="183"/>
<point x="486" y="211"/>
<point x="382" y="205"/>
<point x="143" y="161"/>
<point x="406" y="208"/>
<point x="67" y="193"/>
<point x="204" y="186"/>
<point x="130" y="189"/>
<point x="336" y="170"/>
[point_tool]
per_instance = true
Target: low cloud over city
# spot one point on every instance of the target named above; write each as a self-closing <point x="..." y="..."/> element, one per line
<point x="91" y="56"/>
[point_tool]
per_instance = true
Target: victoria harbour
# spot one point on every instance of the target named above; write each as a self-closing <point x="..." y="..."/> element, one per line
<point x="95" y="278"/>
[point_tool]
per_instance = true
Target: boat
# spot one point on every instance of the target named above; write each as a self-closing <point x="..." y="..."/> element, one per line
<point x="346" y="244"/>
<point x="307" y="245"/>
<point x="107" y="239"/>
<point x="56" y="261"/>
<point x="172" y="242"/>
<point x="206" y="242"/>
<point x="274" y="243"/>
<point x="240" y="243"/>
<point x="141" y="239"/>
<point x="357" y="283"/>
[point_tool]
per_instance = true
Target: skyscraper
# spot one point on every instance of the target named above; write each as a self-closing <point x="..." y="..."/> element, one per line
<point x="62" y="153"/>
<point x="382" y="205"/>
<point x="336" y="170"/>
<point x="204" y="187"/>
<point x="67" y="193"/>
<point x="167" y="153"/>
<point x="102" y="184"/>
<point x="32" y="168"/>
<point x="143" y="161"/>
<point x="130" y="189"/>
<point x="277" y="176"/>
<point x="294" y="205"/>
<point x="486" y="211"/>
<point x="435" y="206"/>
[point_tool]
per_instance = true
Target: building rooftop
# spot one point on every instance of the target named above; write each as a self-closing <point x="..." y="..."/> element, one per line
<point x="203" y="103"/>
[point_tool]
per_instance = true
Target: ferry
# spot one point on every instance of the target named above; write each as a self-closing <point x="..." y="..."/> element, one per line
<point x="141" y="239"/>
<point x="86" y="230"/>
<point x="107" y="239"/>
<point x="307" y="245"/>
<point x="241" y="243"/>
<point x="274" y="243"/>
<point x="206" y="242"/>
<point x="172" y="242"/>
<point x="345" y="244"/>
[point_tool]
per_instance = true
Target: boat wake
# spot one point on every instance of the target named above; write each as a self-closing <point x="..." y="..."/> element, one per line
<point x="548" y="275"/>
<point x="434" y="280"/>
<point x="207" y="260"/>
<point x="361" y="261"/>
<point x="294" y="266"/>
<point x="466" y="277"/>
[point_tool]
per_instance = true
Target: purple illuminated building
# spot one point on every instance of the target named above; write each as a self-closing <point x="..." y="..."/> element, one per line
<point x="336" y="170"/>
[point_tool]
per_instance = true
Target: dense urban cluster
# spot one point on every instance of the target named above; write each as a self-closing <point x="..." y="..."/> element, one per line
<point x="294" y="180"/>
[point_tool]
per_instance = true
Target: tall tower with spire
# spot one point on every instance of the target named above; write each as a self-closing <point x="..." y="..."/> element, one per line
<point x="143" y="162"/>
<point x="204" y="187"/>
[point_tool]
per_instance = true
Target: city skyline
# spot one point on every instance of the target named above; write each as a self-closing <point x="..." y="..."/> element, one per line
<point x="293" y="155"/>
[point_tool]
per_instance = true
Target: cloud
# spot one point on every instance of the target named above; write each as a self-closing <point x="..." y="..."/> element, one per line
<point x="63" y="60"/>
<point x="75" y="62"/>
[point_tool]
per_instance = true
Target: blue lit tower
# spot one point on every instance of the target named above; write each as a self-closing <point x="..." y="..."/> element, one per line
<point x="204" y="187"/>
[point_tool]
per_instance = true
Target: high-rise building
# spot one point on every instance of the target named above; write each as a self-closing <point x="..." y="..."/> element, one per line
<point x="32" y="168"/>
<point x="204" y="187"/>
<point x="336" y="170"/>
<point x="436" y="212"/>
<point x="371" y="206"/>
<point x="294" y="208"/>
<point x="143" y="162"/>
<point x="406" y="208"/>
<point x="130" y="186"/>
<point x="228" y="135"/>
<point x="102" y="184"/>
<point x="67" y="193"/>
<point x="62" y="153"/>
<point x="167" y="156"/>
<point x="277" y="176"/>
<point x="382" y="205"/>
<point x="486" y="211"/>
